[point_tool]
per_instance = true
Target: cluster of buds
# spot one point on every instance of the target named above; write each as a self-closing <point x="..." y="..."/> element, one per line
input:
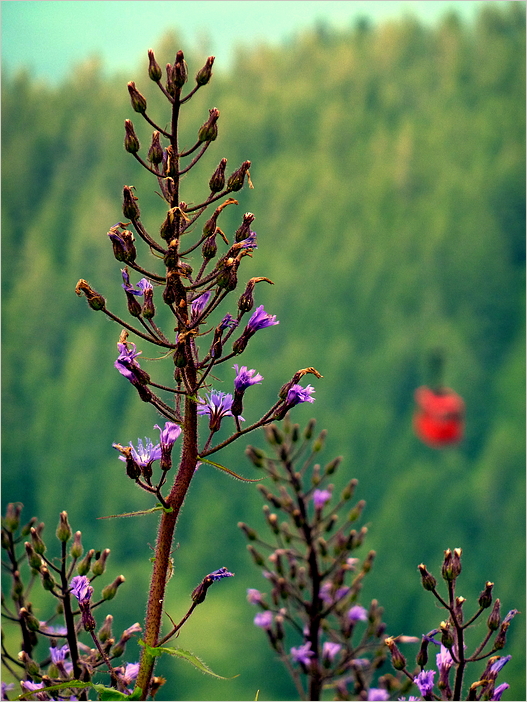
<point x="450" y="637"/>
<point x="68" y="580"/>
<point x="313" y="616"/>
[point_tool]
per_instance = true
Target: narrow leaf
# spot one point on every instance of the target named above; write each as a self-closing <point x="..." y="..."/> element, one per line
<point x="185" y="655"/>
<point x="229" y="471"/>
<point x="134" y="514"/>
<point x="110" y="693"/>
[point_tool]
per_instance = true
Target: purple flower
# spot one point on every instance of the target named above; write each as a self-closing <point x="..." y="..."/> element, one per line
<point x="129" y="673"/>
<point x="299" y="394"/>
<point x="498" y="665"/>
<point x="228" y="322"/>
<point x="377" y="693"/>
<point x="509" y="616"/>
<point x="357" y="613"/>
<point x="199" y="304"/>
<point x="444" y="659"/>
<point x="264" y="619"/>
<point x="144" y="285"/>
<point x="127" y="286"/>
<point x="327" y="596"/>
<point x="250" y="242"/>
<point x="31" y="685"/>
<point x="330" y="650"/>
<point x="81" y="588"/>
<point x="219" y="574"/>
<point x="126" y="361"/>
<point x="425" y="682"/>
<point x="254" y="597"/>
<point x="58" y="655"/>
<point x="144" y="455"/>
<point x="218" y="405"/>
<point x="320" y="498"/>
<point x="168" y="435"/>
<point x="498" y="692"/>
<point x="260" y="319"/>
<point x="245" y="378"/>
<point x="128" y="633"/>
<point x="302" y="654"/>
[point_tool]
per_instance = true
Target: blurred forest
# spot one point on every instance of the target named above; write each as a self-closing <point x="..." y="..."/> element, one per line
<point x="388" y="165"/>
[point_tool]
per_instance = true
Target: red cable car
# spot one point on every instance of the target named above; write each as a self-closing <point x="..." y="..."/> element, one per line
<point x="439" y="420"/>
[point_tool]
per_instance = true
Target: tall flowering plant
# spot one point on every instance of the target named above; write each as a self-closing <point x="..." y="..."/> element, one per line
<point x="202" y="340"/>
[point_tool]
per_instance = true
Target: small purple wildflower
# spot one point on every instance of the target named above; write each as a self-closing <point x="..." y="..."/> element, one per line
<point x="329" y="597"/>
<point x="443" y="659"/>
<point x="81" y="588"/>
<point x="31" y="685"/>
<point x="425" y="682"/>
<point x="58" y="655"/>
<point x="299" y="394"/>
<point x="249" y="242"/>
<point x="129" y="673"/>
<point x="254" y="597"/>
<point x="509" y="616"/>
<point x="264" y="619"/>
<point x="260" y="319"/>
<point x="168" y="435"/>
<point x="302" y="654"/>
<point x="245" y="378"/>
<point x="128" y="633"/>
<point x="498" y="665"/>
<point x="320" y="498"/>
<point x="199" y="304"/>
<point x="127" y="285"/>
<point x="144" y="454"/>
<point x="144" y="285"/>
<point x="218" y="405"/>
<point x="330" y="650"/>
<point x="126" y="360"/>
<point x="498" y="691"/>
<point x="377" y="693"/>
<point x="219" y="574"/>
<point x="358" y="613"/>
<point x="228" y="322"/>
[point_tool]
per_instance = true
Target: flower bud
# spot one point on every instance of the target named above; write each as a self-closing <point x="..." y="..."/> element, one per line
<point x="256" y="456"/>
<point x="154" y="69"/>
<point x="84" y="566"/>
<point x="485" y="598"/>
<point x="31" y="621"/>
<point x="99" y="566"/>
<point x="35" y="561"/>
<point x="451" y="567"/>
<point x="257" y="557"/>
<point x="237" y="178"/>
<point x="494" y="619"/>
<point x="130" y="208"/>
<point x="88" y="622"/>
<point x="47" y="579"/>
<point x="228" y="276"/>
<point x="398" y="660"/>
<point x="209" y="130"/>
<point x="18" y="586"/>
<point x="138" y="100"/>
<point x="348" y="491"/>
<point x="248" y="531"/>
<point x="447" y="638"/>
<point x="95" y="301"/>
<point x="155" y="152"/>
<point x="37" y="543"/>
<point x="31" y="666"/>
<point x="64" y="529"/>
<point x="204" y="74"/>
<point x="27" y="527"/>
<point x="105" y="632"/>
<point x="76" y="547"/>
<point x="209" y="247"/>
<point x="12" y="516"/>
<point x="244" y="230"/>
<point x="180" y="71"/>
<point x="217" y="181"/>
<point x="148" y="309"/>
<point x="427" y="579"/>
<point x="109" y="592"/>
<point x="422" y="655"/>
<point x="131" y="142"/>
<point x="123" y="244"/>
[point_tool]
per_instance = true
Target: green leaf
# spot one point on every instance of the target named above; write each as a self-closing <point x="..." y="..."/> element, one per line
<point x="229" y="471"/>
<point x="134" y="514"/>
<point x="60" y="686"/>
<point x="185" y="655"/>
<point x="257" y="696"/>
<point x="110" y="693"/>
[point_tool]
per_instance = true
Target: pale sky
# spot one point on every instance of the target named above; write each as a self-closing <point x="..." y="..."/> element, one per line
<point x="51" y="36"/>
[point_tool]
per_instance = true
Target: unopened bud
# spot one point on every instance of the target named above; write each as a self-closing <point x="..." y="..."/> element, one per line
<point x="447" y="638"/>
<point x="485" y="598"/>
<point x="105" y="632"/>
<point x="237" y="178"/>
<point x="204" y="74"/>
<point x="18" y="586"/>
<point x="84" y="566"/>
<point x="248" y="531"/>
<point x="257" y="557"/>
<point x="109" y="592"/>
<point x="95" y="301"/>
<point x="32" y="622"/>
<point x="130" y="207"/>
<point x="99" y="566"/>
<point x="494" y="619"/>
<point x="47" y="579"/>
<point x="348" y="491"/>
<point x="398" y="660"/>
<point x="217" y="181"/>
<point x="131" y="142"/>
<point x="256" y="456"/>
<point x="356" y="511"/>
<point x="37" y="543"/>
<point x="35" y="561"/>
<point x="76" y="549"/>
<point x="155" y="152"/>
<point x="138" y="100"/>
<point x="451" y="567"/>
<point x="64" y="529"/>
<point x="29" y="664"/>
<point x="427" y="579"/>
<point x="12" y="516"/>
<point x="180" y="71"/>
<point x="422" y="655"/>
<point x="209" y="130"/>
<point x="244" y="230"/>
<point x="154" y="69"/>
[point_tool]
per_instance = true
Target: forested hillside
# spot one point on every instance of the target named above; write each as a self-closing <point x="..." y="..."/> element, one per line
<point x="389" y="191"/>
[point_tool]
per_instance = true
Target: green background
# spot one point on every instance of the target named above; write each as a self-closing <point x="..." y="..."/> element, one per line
<point x="389" y="173"/>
